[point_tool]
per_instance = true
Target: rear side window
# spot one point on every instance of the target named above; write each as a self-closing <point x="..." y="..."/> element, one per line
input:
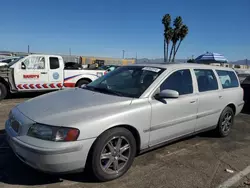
<point x="206" y="80"/>
<point x="228" y="79"/>
<point x="54" y="63"/>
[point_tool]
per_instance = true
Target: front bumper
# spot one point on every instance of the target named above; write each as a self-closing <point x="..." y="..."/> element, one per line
<point x="53" y="160"/>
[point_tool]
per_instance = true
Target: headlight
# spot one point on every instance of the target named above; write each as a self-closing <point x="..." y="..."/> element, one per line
<point x="52" y="133"/>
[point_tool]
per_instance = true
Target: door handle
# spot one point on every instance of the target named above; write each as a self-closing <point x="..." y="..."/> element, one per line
<point x="220" y="96"/>
<point x="192" y="101"/>
<point x="43" y="72"/>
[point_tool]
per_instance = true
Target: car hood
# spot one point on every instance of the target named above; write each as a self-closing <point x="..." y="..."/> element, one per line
<point x="64" y="107"/>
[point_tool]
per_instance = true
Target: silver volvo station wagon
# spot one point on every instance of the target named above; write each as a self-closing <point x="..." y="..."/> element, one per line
<point x="102" y="126"/>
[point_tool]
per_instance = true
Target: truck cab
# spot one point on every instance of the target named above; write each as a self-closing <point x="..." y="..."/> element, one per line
<point x="41" y="72"/>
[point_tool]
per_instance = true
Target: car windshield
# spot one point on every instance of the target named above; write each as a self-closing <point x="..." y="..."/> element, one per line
<point x="13" y="62"/>
<point x="127" y="81"/>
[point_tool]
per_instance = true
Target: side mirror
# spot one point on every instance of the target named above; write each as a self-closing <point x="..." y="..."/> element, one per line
<point x="23" y="66"/>
<point x="168" y="93"/>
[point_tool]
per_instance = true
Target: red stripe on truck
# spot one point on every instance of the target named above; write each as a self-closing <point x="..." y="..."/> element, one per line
<point x="69" y="84"/>
<point x="32" y="86"/>
<point x="59" y="85"/>
<point x="19" y="86"/>
<point x="25" y="86"/>
<point x="52" y="86"/>
<point x="45" y="86"/>
<point x="38" y="86"/>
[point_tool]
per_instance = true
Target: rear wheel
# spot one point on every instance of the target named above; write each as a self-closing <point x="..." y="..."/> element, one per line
<point x="3" y="91"/>
<point x="82" y="82"/>
<point x="113" y="154"/>
<point x="226" y="122"/>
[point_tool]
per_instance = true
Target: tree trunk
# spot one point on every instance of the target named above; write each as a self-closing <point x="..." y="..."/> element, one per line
<point x="177" y="48"/>
<point x="167" y="51"/>
<point x="171" y="53"/>
<point x="164" y="50"/>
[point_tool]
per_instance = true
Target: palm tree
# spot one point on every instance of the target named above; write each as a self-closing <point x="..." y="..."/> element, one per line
<point x="166" y="21"/>
<point x="169" y="36"/>
<point x="177" y="27"/>
<point x="182" y="34"/>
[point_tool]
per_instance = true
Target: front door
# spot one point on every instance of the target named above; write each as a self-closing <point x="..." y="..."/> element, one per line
<point x="172" y="118"/>
<point x="32" y="73"/>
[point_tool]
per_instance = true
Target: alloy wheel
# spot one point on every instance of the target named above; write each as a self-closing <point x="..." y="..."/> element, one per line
<point x="226" y="122"/>
<point x="115" y="155"/>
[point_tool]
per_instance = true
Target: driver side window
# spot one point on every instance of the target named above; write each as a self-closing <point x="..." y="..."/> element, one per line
<point x="180" y="81"/>
<point x="34" y="62"/>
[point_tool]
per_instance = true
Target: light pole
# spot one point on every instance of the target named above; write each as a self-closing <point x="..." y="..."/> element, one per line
<point x="136" y="57"/>
<point x="123" y="52"/>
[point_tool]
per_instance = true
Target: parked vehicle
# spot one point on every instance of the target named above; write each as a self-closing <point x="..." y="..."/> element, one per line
<point x="245" y="84"/>
<point x="105" y="124"/>
<point x="242" y="77"/>
<point x="42" y="73"/>
<point x="108" y="68"/>
<point x="6" y="61"/>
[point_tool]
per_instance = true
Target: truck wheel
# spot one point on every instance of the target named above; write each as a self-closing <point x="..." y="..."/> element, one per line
<point x="226" y="122"/>
<point x="112" y="154"/>
<point x="3" y="91"/>
<point x="81" y="82"/>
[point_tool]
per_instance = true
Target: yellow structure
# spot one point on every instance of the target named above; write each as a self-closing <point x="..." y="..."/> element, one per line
<point x="107" y="61"/>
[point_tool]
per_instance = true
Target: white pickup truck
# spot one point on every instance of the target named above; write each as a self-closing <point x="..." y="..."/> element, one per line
<point x="41" y="73"/>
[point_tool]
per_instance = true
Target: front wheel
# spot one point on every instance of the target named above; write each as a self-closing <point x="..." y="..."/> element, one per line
<point x="113" y="154"/>
<point x="82" y="82"/>
<point x="226" y="122"/>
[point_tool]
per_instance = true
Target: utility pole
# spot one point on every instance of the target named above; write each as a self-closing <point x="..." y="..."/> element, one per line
<point x="70" y="51"/>
<point x="123" y="52"/>
<point x="28" y="49"/>
<point x="136" y="57"/>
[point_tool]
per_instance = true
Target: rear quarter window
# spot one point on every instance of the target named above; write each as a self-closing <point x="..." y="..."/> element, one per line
<point x="228" y="79"/>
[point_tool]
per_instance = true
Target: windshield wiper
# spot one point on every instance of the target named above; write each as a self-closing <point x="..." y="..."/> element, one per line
<point x="103" y="90"/>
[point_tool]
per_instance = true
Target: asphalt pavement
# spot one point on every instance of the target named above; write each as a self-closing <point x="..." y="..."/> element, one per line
<point x="198" y="161"/>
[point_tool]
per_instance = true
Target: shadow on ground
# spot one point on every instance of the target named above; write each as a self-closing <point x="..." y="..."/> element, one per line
<point x="25" y="95"/>
<point x="15" y="172"/>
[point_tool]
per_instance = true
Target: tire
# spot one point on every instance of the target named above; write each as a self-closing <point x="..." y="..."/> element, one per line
<point x="225" y="120"/>
<point x="97" y="165"/>
<point x="81" y="82"/>
<point x="3" y="91"/>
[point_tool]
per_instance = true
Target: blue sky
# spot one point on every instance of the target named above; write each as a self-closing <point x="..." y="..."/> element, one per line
<point x="106" y="27"/>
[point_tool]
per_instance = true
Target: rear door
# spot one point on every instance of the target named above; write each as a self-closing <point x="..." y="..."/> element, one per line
<point x="209" y="99"/>
<point x="231" y="92"/>
<point x="55" y="72"/>
<point x="32" y="73"/>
